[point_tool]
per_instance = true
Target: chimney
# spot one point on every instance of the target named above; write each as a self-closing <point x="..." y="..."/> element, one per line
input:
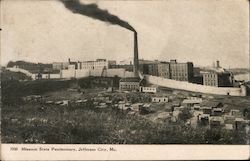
<point x="217" y="64"/>
<point x="173" y="61"/>
<point x="136" y="62"/>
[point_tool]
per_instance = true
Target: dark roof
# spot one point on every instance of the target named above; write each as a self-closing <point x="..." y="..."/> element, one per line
<point x="212" y="104"/>
<point x="130" y="79"/>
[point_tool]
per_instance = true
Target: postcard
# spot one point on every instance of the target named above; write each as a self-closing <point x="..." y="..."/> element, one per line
<point x="125" y="79"/>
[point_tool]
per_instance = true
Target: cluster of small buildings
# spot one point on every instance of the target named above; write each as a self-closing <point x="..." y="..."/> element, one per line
<point x="209" y="114"/>
<point x="204" y="112"/>
<point x="44" y="99"/>
<point x="215" y="114"/>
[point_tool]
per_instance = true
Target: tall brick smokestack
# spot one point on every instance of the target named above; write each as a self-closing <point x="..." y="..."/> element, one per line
<point x="136" y="59"/>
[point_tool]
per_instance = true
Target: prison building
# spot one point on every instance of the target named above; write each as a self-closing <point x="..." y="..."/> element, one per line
<point x="181" y="71"/>
<point x="218" y="79"/>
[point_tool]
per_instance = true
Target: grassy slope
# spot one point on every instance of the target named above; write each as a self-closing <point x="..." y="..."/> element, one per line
<point x="57" y="124"/>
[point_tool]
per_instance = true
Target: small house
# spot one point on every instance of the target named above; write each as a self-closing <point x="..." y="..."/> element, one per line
<point x="81" y="102"/>
<point x="217" y="111"/>
<point x="159" y="99"/>
<point x="196" y="108"/>
<point x="49" y="102"/>
<point x="229" y="119"/>
<point x="204" y="119"/>
<point x="164" y="117"/>
<point x="191" y="101"/>
<point x="65" y="103"/>
<point x="229" y="126"/>
<point x="130" y="84"/>
<point x="176" y="104"/>
<point x="148" y="89"/>
<point x="145" y="109"/>
<point x="207" y="110"/>
<point x="136" y="106"/>
<point x="102" y="105"/>
<point x="240" y="124"/>
<point x="234" y="112"/>
<point x="216" y="121"/>
<point x="213" y="104"/>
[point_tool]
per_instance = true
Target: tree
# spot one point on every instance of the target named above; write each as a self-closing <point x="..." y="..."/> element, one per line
<point x="185" y="114"/>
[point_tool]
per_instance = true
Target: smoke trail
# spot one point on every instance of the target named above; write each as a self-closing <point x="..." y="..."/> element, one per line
<point x="92" y="10"/>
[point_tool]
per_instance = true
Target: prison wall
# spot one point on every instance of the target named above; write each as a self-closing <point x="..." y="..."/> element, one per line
<point x="116" y="72"/>
<point x="195" y="87"/>
<point x="129" y="74"/>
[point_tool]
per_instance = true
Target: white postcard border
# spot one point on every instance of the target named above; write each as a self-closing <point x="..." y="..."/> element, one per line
<point x="123" y="152"/>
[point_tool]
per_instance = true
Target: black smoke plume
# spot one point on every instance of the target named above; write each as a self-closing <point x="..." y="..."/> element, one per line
<point x="92" y="10"/>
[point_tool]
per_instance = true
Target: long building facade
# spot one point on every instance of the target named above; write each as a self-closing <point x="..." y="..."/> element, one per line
<point x="98" y="64"/>
<point x="171" y="70"/>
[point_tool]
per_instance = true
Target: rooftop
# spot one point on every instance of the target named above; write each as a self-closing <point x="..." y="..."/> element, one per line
<point x="191" y="101"/>
<point x="130" y="79"/>
<point x="216" y="118"/>
<point x="212" y="104"/>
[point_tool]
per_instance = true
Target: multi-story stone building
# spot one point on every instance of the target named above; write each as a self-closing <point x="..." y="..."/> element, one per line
<point x="172" y="70"/>
<point x="218" y="77"/>
<point x="153" y="69"/>
<point x="160" y="69"/>
<point x="163" y="69"/>
<point x="181" y="71"/>
<point x="98" y="64"/>
<point x="127" y="67"/>
<point x="223" y="79"/>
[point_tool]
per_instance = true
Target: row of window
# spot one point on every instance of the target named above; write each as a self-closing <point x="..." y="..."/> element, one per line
<point x="149" y="88"/>
<point x="210" y="75"/>
<point x="211" y="84"/>
<point x="128" y="86"/>
<point x="160" y="100"/>
<point x="180" y="79"/>
<point x="179" y="74"/>
<point x="93" y="67"/>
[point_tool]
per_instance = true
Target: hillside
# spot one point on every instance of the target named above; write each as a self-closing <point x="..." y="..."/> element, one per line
<point x="31" y="67"/>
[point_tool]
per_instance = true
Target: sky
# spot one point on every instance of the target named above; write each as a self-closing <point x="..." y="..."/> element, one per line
<point x="187" y="30"/>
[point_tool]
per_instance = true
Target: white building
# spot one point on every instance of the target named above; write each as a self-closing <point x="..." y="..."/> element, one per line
<point x="148" y="89"/>
<point x="159" y="99"/>
<point x="191" y="101"/>
<point x="98" y="64"/>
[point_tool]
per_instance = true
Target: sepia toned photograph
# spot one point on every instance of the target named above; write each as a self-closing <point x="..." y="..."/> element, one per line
<point x="125" y="72"/>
